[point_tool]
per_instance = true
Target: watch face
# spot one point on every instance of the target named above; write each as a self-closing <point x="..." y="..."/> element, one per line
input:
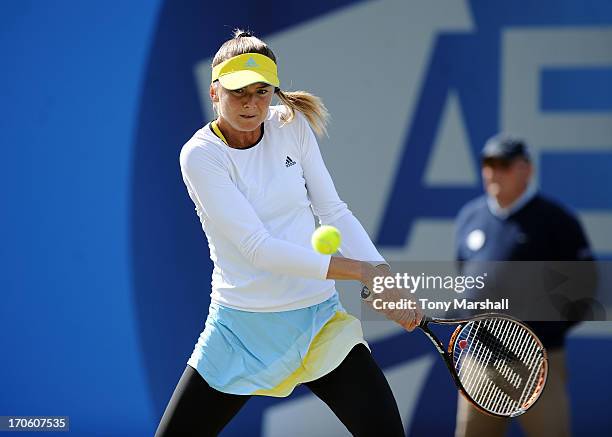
<point x="365" y="292"/>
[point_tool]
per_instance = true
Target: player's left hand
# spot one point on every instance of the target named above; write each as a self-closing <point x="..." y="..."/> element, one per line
<point x="408" y="318"/>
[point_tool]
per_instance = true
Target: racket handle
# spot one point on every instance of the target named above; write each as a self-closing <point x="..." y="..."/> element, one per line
<point x="424" y="321"/>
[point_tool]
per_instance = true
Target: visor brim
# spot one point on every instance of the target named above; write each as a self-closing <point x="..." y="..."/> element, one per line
<point x="240" y="79"/>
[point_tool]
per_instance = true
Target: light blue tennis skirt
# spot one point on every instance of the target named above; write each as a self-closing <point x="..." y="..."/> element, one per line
<point x="269" y="354"/>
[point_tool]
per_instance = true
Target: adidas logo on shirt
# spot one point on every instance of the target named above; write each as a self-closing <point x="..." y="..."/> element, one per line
<point x="289" y="162"/>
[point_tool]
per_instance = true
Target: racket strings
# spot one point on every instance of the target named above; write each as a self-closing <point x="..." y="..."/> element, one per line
<point x="511" y="403"/>
<point x="499" y="364"/>
<point x="482" y="389"/>
<point x="486" y="390"/>
<point x="500" y="395"/>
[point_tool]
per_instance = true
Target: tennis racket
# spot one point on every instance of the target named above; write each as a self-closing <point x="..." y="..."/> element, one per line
<point x="497" y="363"/>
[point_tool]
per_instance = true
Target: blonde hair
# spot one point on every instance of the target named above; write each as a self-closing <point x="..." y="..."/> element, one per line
<point x="310" y="105"/>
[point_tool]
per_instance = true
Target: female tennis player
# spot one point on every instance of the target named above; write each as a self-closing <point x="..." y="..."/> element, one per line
<point x="275" y="320"/>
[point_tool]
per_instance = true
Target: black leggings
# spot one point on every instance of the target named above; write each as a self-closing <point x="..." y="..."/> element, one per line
<point x="356" y="391"/>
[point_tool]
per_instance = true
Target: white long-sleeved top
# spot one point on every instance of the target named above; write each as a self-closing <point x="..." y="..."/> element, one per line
<point x="255" y="208"/>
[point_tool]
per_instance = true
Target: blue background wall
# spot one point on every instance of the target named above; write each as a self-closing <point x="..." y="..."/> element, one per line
<point x="104" y="275"/>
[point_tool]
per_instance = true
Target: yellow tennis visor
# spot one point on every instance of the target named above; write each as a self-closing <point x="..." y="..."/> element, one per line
<point x="246" y="69"/>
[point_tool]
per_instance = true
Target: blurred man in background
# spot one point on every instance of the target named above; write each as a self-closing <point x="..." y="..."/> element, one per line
<point x="513" y="222"/>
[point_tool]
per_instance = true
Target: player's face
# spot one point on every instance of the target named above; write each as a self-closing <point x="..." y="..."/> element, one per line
<point x="245" y="108"/>
<point x="506" y="180"/>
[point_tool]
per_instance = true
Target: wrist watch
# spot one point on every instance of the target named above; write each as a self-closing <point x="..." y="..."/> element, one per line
<point x="366" y="293"/>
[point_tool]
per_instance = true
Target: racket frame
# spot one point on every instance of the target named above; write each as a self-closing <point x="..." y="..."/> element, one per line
<point x="446" y="353"/>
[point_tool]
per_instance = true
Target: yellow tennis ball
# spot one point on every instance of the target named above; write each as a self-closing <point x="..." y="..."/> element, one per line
<point x="326" y="240"/>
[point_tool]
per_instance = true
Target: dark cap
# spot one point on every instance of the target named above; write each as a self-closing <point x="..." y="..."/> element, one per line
<point x="504" y="146"/>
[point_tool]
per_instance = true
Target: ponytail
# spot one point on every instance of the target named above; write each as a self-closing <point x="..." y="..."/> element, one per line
<point x="310" y="105"/>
